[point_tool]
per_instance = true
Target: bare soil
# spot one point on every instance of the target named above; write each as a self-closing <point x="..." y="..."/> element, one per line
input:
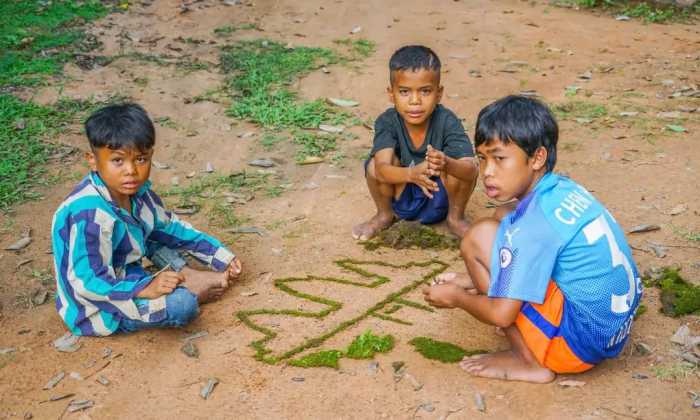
<point x="636" y="167"/>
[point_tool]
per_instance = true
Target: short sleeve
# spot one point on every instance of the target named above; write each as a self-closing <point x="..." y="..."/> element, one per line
<point x="385" y="133"/>
<point x="523" y="258"/>
<point x="456" y="142"/>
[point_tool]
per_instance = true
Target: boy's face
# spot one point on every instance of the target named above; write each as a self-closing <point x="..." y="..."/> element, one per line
<point x="506" y="170"/>
<point x="415" y="94"/>
<point x="124" y="171"/>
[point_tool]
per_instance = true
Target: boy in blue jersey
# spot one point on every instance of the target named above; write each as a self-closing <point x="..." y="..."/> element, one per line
<point x="113" y="219"/>
<point x="421" y="166"/>
<point x="553" y="270"/>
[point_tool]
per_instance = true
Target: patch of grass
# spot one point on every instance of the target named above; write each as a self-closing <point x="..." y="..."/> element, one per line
<point x="365" y="345"/>
<point x="23" y="128"/>
<point x="678" y="297"/>
<point x="313" y="144"/>
<point x="260" y="73"/>
<point x="166" y="121"/>
<point x="579" y="109"/>
<point x="687" y="234"/>
<point x="223" y="216"/>
<point x="674" y="372"/>
<point x="228" y="30"/>
<point x="358" y="48"/>
<point x="38" y="37"/>
<point x="641" y="310"/>
<point x="405" y="234"/>
<point x="441" y="350"/>
<point x="269" y="140"/>
<point x="649" y="12"/>
<point x="325" y="358"/>
<point x="213" y="184"/>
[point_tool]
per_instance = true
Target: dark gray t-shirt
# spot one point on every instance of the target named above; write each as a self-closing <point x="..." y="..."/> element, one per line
<point x="445" y="133"/>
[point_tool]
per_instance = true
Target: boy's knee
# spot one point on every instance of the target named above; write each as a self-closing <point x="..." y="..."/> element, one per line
<point x="182" y="306"/>
<point x="479" y="238"/>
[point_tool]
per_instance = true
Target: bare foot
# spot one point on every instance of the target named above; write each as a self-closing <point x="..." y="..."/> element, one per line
<point x="206" y="285"/>
<point x="506" y="365"/>
<point x="460" y="279"/>
<point x="365" y="231"/>
<point x="458" y="227"/>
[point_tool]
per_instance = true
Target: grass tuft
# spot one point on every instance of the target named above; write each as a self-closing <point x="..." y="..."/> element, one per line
<point x="441" y="350"/>
<point x="261" y="72"/>
<point x="325" y="358"/>
<point x="38" y="37"/>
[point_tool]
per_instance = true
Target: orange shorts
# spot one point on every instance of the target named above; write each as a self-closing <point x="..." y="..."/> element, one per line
<point x="539" y="325"/>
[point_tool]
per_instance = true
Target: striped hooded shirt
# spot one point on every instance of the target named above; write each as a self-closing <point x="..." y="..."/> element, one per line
<point x="98" y="247"/>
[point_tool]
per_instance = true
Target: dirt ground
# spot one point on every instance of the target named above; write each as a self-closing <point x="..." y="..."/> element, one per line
<point x="642" y="171"/>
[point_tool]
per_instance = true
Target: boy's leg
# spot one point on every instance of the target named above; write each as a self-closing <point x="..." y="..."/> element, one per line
<point x="518" y="363"/>
<point x="458" y="194"/>
<point x="382" y="195"/>
<point x="206" y="285"/>
<point x="181" y="308"/>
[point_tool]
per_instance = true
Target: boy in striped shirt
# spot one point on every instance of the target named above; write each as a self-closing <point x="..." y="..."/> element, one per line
<point x="113" y="219"/>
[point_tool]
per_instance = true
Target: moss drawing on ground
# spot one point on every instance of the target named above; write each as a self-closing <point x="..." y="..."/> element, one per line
<point x="377" y="310"/>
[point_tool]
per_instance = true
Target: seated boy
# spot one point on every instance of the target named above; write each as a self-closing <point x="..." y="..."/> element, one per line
<point x="555" y="273"/>
<point x="113" y="219"/>
<point x="421" y="165"/>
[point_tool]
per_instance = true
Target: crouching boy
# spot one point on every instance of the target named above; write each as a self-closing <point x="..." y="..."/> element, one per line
<point x="421" y="166"/>
<point x="113" y="219"/>
<point x="555" y="273"/>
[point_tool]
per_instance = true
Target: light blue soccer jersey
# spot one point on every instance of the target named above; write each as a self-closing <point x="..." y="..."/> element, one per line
<point x="560" y="231"/>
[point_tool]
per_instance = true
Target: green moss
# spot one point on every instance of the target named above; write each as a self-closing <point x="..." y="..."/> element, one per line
<point x="641" y="309"/>
<point x="405" y="234"/>
<point x="265" y="355"/>
<point x="678" y="297"/>
<point x="440" y="350"/>
<point x="325" y="358"/>
<point x="364" y="346"/>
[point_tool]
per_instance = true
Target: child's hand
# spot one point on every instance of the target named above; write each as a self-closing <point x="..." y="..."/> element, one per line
<point x="444" y="295"/>
<point x="419" y="175"/>
<point x="436" y="161"/>
<point x="162" y="284"/>
<point x="233" y="272"/>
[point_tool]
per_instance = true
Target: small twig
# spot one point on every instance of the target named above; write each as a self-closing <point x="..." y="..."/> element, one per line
<point x="451" y="412"/>
<point x="621" y="414"/>
<point x="161" y="270"/>
<point x="104" y="365"/>
<point x="636" y="248"/>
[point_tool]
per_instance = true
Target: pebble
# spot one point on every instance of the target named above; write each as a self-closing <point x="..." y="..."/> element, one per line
<point x="78" y="405"/>
<point x="209" y="168"/>
<point x="298" y="379"/>
<point x="190" y="350"/>
<point x="208" y="388"/>
<point x="8" y="350"/>
<point x="67" y="343"/>
<point x="102" y="380"/>
<point x="76" y="375"/>
<point x="479" y="401"/>
<point x="263" y="163"/>
<point x="55" y="380"/>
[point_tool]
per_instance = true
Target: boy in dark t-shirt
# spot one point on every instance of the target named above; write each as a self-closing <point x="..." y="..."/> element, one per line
<point x="421" y="166"/>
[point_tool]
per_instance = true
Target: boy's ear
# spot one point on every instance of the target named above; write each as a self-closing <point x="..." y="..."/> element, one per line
<point x="441" y="88"/>
<point x="91" y="160"/>
<point x="539" y="158"/>
<point x="390" y="92"/>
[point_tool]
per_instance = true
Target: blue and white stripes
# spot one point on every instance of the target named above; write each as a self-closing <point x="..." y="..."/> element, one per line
<point x="98" y="249"/>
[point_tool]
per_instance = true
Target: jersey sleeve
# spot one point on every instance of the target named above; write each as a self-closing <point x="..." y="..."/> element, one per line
<point x="523" y="258"/>
<point x="385" y="133"/>
<point x="456" y="142"/>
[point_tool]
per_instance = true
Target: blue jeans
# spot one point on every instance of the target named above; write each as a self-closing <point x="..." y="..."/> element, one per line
<point x="181" y="308"/>
<point x="181" y="305"/>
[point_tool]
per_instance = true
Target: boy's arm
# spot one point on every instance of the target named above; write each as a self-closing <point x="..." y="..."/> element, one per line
<point x="89" y="269"/>
<point x="464" y="168"/>
<point x="500" y="312"/>
<point x="388" y="173"/>
<point x="177" y="234"/>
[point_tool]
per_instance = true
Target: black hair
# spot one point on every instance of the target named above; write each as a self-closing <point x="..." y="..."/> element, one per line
<point x="121" y="126"/>
<point x="414" y="58"/>
<point x="525" y="121"/>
